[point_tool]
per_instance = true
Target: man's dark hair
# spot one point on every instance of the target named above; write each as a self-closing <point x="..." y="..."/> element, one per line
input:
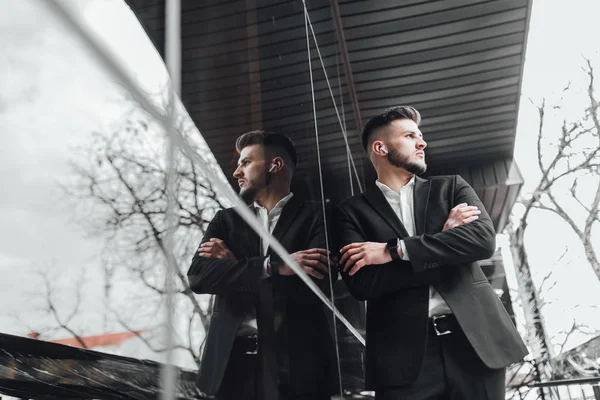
<point x="384" y="119"/>
<point x="275" y="142"/>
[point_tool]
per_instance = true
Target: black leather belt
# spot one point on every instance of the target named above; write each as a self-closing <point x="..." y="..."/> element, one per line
<point x="246" y="344"/>
<point x="444" y="324"/>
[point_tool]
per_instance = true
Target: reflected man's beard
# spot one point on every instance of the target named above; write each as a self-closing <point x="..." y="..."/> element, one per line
<point x="248" y="194"/>
<point x="402" y="161"/>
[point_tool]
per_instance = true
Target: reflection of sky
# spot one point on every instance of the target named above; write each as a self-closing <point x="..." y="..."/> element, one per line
<point x="46" y="109"/>
<point x="52" y="97"/>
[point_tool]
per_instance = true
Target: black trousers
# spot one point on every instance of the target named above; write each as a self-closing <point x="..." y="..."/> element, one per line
<point x="242" y="381"/>
<point x="241" y="377"/>
<point x="451" y="370"/>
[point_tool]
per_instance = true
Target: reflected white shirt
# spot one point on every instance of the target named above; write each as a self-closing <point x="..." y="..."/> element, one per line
<point x="403" y="205"/>
<point x="268" y="220"/>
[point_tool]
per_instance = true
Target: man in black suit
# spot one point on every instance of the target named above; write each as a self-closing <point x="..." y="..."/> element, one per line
<point x="269" y="336"/>
<point x="410" y="246"/>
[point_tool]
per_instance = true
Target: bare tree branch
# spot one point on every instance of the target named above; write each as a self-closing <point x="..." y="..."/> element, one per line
<point x="572" y="158"/>
<point x="544" y="280"/>
<point x="568" y="334"/>
<point x="575" y="328"/>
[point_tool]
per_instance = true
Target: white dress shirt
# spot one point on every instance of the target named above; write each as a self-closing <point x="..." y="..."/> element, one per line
<point x="269" y="221"/>
<point x="403" y="205"/>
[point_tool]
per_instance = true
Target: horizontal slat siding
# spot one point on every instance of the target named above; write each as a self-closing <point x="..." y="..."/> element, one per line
<point x="458" y="61"/>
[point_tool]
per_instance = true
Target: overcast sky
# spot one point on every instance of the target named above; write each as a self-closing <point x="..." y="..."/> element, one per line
<point x="560" y="36"/>
<point x="53" y="96"/>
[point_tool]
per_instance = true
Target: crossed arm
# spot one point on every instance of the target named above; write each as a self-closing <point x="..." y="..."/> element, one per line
<point x="360" y="254"/>
<point x="467" y="236"/>
<point x="215" y="268"/>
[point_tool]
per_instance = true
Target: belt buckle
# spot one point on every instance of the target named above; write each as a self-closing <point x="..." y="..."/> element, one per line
<point x="435" y="327"/>
<point x="254" y="338"/>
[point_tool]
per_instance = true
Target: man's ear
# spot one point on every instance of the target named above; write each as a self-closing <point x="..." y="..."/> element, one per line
<point x="276" y="164"/>
<point x="379" y="148"/>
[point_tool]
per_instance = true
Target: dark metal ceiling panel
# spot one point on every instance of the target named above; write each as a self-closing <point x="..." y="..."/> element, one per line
<point x="459" y="62"/>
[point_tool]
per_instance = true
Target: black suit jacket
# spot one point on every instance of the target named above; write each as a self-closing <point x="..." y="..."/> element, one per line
<point x="398" y="292"/>
<point x="304" y="339"/>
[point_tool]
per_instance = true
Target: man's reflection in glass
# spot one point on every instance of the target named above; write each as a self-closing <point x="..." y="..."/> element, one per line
<point x="269" y="336"/>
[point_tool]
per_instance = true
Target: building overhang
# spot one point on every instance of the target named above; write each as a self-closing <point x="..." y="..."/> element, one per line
<point x="245" y="66"/>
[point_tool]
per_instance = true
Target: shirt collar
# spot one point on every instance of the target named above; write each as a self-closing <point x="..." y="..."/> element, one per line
<point x="388" y="191"/>
<point x="280" y="204"/>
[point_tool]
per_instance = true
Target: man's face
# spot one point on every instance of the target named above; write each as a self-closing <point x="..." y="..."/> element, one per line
<point x="406" y="147"/>
<point x="251" y="173"/>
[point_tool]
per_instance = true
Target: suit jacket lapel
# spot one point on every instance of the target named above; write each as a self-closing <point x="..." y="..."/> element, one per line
<point x="383" y="208"/>
<point x="287" y="217"/>
<point x="253" y="243"/>
<point x="421" y="201"/>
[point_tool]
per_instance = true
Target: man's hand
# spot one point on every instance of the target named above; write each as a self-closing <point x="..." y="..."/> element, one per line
<point x="312" y="261"/>
<point x="215" y="248"/>
<point x="462" y="214"/>
<point x="357" y="255"/>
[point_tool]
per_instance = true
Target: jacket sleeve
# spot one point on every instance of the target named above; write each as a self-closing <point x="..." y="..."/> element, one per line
<point x="374" y="281"/>
<point x="460" y="245"/>
<point x="216" y="276"/>
<point x="319" y="240"/>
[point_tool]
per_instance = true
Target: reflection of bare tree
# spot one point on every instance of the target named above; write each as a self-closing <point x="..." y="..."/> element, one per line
<point x="122" y="177"/>
<point x="576" y="158"/>
<point x="52" y="309"/>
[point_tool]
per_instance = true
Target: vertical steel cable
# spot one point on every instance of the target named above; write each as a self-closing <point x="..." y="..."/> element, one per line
<point x="342" y="125"/>
<point x="312" y="92"/>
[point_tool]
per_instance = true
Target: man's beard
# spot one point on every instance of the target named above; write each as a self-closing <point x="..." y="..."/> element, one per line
<point x="402" y="161"/>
